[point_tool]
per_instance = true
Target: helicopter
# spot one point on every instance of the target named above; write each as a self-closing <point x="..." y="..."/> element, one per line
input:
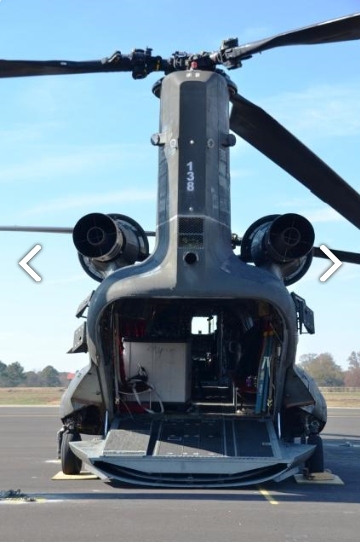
<point x="166" y="405"/>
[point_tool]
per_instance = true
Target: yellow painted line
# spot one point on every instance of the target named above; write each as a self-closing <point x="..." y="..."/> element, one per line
<point x="268" y="496"/>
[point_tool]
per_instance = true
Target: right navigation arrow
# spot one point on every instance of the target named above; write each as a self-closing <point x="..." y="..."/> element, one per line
<point x="337" y="263"/>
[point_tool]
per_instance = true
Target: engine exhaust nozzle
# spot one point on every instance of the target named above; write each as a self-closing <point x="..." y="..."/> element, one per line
<point x="108" y="242"/>
<point x="288" y="238"/>
<point x="281" y="244"/>
<point x="97" y="236"/>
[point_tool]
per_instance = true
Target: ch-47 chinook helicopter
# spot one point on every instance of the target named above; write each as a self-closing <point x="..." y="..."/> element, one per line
<point x="168" y="406"/>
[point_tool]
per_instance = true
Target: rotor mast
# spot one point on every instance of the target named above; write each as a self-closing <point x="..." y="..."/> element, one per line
<point x="194" y="170"/>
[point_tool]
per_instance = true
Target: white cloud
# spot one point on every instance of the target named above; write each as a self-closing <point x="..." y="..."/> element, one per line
<point x="25" y="133"/>
<point x="308" y="208"/>
<point x="323" y="215"/>
<point x="75" y="160"/>
<point x="296" y="203"/>
<point x="323" y="110"/>
<point x="244" y="173"/>
<point x="90" y="200"/>
<point x="65" y="280"/>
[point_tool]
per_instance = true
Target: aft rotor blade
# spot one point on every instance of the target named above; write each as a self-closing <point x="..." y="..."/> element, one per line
<point x="342" y="29"/>
<point x="26" y="68"/>
<point x="37" y="229"/>
<point x="49" y="229"/>
<point x="343" y="255"/>
<point x="264" y="133"/>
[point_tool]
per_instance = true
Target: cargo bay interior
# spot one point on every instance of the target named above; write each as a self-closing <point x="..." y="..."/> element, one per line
<point x="172" y="355"/>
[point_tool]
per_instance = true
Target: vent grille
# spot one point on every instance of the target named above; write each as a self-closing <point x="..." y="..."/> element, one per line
<point x="191" y="232"/>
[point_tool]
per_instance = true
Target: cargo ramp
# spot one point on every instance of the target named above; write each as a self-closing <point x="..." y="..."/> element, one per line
<point x="192" y="451"/>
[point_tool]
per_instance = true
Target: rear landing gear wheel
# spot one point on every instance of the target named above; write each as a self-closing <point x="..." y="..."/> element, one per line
<point x="315" y="463"/>
<point x="70" y="463"/>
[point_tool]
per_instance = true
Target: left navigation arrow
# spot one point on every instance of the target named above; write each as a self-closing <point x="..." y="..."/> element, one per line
<point x="24" y="263"/>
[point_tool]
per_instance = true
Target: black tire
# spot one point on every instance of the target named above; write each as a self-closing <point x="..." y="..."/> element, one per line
<point x="315" y="463"/>
<point x="70" y="463"/>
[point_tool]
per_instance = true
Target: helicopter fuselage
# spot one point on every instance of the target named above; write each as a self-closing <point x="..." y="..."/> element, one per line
<point x="141" y="321"/>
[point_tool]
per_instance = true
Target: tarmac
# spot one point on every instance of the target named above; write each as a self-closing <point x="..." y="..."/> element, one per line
<point x="38" y="504"/>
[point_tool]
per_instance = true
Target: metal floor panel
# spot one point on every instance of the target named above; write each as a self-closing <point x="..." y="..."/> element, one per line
<point x="252" y="438"/>
<point x="129" y="441"/>
<point x="191" y="438"/>
<point x="184" y="436"/>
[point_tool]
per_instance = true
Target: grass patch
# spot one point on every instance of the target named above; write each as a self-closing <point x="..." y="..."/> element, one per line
<point x="342" y="399"/>
<point x="30" y="396"/>
<point x="52" y="396"/>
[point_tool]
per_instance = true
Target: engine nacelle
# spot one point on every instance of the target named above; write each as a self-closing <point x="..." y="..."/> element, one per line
<point x="108" y="242"/>
<point x="280" y="243"/>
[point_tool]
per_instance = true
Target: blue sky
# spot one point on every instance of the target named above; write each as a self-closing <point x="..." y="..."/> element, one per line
<point x="71" y="145"/>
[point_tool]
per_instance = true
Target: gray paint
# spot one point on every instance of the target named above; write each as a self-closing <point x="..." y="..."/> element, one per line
<point x="193" y="257"/>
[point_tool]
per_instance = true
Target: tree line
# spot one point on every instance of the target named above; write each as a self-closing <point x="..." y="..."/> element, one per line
<point x="326" y="372"/>
<point x="14" y="375"/>
<point x="322" y="367"/>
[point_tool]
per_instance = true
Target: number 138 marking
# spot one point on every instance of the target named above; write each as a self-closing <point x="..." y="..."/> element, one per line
<point x="190" y="177"/>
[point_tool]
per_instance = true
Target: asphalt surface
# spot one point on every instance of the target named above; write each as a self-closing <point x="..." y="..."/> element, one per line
<point x="89" y="510"/>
